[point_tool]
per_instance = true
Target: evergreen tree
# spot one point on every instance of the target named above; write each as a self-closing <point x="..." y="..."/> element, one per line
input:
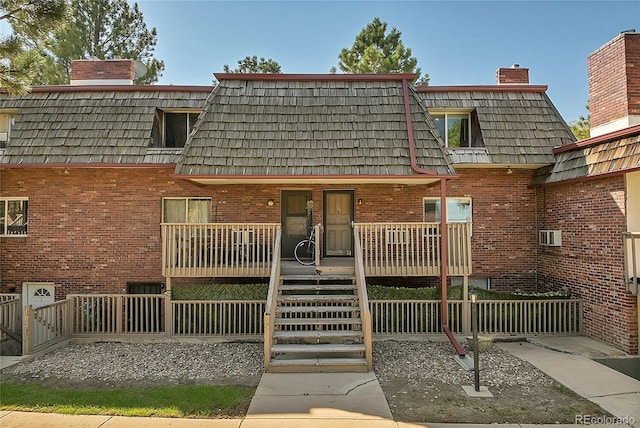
<point x="375" y="51"/>
<point x="102" y="29"/>
<point x="20" y="65"/>
<point x="253" y="65"/>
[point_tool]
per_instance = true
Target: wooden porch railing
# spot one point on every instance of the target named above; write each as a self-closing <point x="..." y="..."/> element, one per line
<point x="272" y="295"/>
<point x="632" y="261"/>
<point x="217" y="249"/>
<point x="413" y="249"/>
<point x="365" y="310"/>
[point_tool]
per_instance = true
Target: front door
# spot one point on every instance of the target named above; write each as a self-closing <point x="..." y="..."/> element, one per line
<point x="338" y="216"/>
<point x="297" y="211"/>
<point x="38" y="294"/>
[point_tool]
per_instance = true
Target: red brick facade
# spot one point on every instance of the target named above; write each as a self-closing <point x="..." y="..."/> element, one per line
<point x="592" y="216"/>
<point x="513" y="75"/>
<point x="92" y="230"/>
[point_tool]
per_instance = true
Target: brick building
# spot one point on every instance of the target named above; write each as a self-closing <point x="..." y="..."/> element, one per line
<point x="106" y="184"/>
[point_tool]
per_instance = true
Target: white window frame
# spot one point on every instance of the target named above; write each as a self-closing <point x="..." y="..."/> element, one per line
<point x="187" y="201"/>
<point x="5" y="215"/>
<point x="445" y="114"/>
<point x="453" y="199"/>
<point x="7" y="120"/>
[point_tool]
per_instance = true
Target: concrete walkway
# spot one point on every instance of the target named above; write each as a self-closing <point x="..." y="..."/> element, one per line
<point x="353" y="400"/>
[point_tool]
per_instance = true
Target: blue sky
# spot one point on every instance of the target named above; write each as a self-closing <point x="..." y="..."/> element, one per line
<point x="455" y="42"/>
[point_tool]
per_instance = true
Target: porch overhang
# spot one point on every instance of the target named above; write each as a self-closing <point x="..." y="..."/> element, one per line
<point x="328" y="179"/>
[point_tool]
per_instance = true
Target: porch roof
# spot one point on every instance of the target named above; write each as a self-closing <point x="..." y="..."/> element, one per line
<point x="312" y="128"/>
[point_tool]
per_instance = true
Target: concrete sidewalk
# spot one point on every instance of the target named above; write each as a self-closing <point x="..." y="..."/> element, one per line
<point x="353" y="400"/>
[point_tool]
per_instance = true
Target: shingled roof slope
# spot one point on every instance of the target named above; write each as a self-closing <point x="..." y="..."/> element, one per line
<point x="519" y="125"/>
<point x="73" y="125"/>
<point x="606" y="154"/>
<point x="279" y="126"/>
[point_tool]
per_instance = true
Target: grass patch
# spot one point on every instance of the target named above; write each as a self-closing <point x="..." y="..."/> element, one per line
<point x="195" y="401"/>
<point x="377" y="292"/>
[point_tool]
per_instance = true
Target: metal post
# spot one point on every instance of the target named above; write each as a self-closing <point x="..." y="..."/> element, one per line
<point x="476" y="357"/>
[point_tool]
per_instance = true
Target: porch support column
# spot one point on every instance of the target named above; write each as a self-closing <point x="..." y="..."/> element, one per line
<point x="168" y="309"/>
<point x="443" y="266"/>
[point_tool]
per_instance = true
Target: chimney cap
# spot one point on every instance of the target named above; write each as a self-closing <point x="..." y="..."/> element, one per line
<point x="515" y="66"/>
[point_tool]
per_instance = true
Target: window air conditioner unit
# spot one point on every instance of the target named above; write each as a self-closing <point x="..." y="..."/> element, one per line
<point x="550" y="238"/>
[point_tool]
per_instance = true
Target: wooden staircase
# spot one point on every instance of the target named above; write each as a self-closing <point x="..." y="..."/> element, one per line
<point x="318" y="325"/>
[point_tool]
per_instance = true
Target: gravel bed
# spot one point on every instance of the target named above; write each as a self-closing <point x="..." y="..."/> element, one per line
<point x="178" y="363"/>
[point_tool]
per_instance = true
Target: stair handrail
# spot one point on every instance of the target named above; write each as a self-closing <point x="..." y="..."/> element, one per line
<point x="361" y="285"/>
<point x="272" y="295"/>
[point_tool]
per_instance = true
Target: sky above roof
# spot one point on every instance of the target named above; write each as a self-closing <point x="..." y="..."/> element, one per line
<point x="455" y="42"/>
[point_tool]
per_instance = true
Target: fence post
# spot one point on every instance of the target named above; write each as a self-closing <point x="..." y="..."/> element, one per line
<point x="168" y="313"/>
<point x="27" y="330"/>
<point x="466" y="306"/>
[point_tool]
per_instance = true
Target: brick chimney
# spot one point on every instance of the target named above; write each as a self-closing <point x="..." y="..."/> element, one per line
<point x="105" y="72"/>
<point x="513" y="75"/>
<point x="614" y="84"/>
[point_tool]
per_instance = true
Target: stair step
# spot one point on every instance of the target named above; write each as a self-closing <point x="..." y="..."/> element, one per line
<point x="315" y="309"/>
<point x="317" y="334"/>
<point x="318" y="365"/>
<point x="317" y="348"/>
<point x="297" y="298"/>
<point x="317" y="321"/>
<point x="327" y="277"/>
<point x="316" y="287"/>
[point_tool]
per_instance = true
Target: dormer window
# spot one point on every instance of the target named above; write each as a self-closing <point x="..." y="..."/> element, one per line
<point x="171" y="128"/>
<point x="454" y="128"/>
<point x="6" y="122"/>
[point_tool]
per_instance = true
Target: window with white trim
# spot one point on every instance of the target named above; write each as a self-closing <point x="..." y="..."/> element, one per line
<point x="171" y="128"/>
<point x="458" y="210"/>
<point x="186" y="210"/>
<point x="454" y="128"/>
<point x="13" y="216"/>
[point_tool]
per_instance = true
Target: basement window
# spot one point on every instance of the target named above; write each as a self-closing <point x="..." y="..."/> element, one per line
<point x="13" y="216"/>
<point x="171" y="128"/>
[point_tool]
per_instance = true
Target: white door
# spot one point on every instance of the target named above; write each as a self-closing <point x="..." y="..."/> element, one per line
<point x="38" y="294"/>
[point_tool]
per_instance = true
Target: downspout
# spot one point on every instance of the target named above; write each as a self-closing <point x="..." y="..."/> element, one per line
<point x="443" y="220"/>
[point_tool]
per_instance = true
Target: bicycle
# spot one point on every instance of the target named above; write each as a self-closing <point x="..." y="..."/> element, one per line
<point x="305" y="251"/>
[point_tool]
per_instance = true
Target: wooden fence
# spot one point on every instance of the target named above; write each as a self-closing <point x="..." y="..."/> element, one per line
<point x="144" y="316"/>
<point x="11" y="317"/>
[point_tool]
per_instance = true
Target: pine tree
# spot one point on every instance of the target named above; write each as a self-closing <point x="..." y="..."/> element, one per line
<point x="102" y="29"/>
<point x="19" y="64"/>
<point x="253" y="65"/>
<point x="375" y="51"/>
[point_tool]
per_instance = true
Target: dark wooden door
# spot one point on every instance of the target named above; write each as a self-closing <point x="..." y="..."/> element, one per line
<point x="338" y="215"/>
<point x="297" y="211"/>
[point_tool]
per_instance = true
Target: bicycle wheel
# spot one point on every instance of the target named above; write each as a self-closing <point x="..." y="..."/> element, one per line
<point x="305" y="252"/>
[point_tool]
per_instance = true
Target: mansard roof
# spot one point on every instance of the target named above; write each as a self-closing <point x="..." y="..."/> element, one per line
<point x="313" y="126"/>
<point x="92" y="124"/>
<point x="518" y="124"/>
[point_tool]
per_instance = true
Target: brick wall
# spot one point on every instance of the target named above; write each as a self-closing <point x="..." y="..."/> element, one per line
<point x="512" y="75"/>
<point x="102" y="70"/>
<point x="591" y="216"/>
<point x="614" y="79"/>
<point x="92" y="230"/>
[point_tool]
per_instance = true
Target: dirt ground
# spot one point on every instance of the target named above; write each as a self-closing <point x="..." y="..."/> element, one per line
<point x="437" y="402"/>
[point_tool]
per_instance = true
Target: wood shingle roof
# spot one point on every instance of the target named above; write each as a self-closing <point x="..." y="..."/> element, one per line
<point x="289" y="127"/>
<point x="108" y="125"/>
<point x="518" y="124"/>
<point x="607" y="154"/>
